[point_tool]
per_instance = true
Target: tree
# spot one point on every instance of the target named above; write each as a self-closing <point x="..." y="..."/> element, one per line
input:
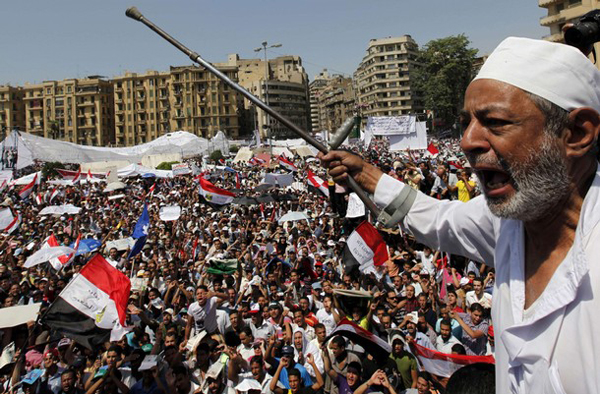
<point x="445" y="71"/>
<point x="216" y="155"/>
<point x="166" y="165"/>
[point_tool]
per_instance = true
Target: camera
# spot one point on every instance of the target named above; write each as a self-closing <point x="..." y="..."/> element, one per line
<point x="584" y="33"/>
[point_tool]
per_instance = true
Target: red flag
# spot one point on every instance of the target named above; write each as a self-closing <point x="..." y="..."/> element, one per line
<point x="237" y="181"/>
<point x="77" y="176"/>
<point x="432" y="149"/>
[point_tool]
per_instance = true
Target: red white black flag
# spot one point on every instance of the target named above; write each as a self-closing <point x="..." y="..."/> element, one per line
<point x="213" y="194"/>
<point x="372" y="344"/>
<point x="318" y="183"/>
<point x="26" y="191"/>
<point x="286" y="163"/>
<point x="365" y="249"/>
<point x="91" y="308"/>
<point x="443" y="364"/>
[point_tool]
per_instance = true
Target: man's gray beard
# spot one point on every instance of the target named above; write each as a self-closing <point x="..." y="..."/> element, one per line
<point x="541" y="182"/>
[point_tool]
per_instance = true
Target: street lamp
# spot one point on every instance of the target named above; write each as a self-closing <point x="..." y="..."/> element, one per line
<point x="264" y="48"/>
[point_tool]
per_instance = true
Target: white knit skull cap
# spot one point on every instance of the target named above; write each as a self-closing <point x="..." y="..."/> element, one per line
<point x="557" y="72"/>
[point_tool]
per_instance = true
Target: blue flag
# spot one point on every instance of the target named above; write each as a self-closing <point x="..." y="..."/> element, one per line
<point x="137" y="248"/>
<point x="142" y="225"/>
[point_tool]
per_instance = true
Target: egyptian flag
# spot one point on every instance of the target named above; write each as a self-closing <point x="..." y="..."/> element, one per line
<point x="455" y="165"/>
<point x="373" y="345"/>
<point x="213" y="194"/>
<point x="432" y="149"/>
<point x="365" y="249"/>
<point x="286" y="163"/>
<point x="443" y="364"/>
<point x="77" y="177"/>
<point x="89" y="175"/>
<point x="38" y="199"/>
<point x="61" y="261"/>
<point x="151" y="190"/>
<point x="8" y="221"/>
<point x="91" y="308"/>
<point x="26" y="191"/>
<point x="54" y="194"/>
<point x="255" y="161"/>
<point x="3" y="185"/>
<point x="318" y="183"/>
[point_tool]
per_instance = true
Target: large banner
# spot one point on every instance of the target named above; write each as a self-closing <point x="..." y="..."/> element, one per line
<point x="391" y="125"/>
<point x="416" y="140"/>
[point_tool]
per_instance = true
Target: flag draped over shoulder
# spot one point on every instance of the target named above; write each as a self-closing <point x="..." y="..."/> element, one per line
<point x="443" y="364"/>
<point x="365" y="249"/>
<point x="91" y="308"/>
<point x="213" y="194"/>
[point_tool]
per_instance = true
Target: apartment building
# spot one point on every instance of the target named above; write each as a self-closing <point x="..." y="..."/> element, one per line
<point x="332" y="101"/>
<point x="561" y="12"/>
<point x="285" y="90"/>
<point x="75" y="110"/>
<point x="383" y="78"/>
<point x="11" y="109"/>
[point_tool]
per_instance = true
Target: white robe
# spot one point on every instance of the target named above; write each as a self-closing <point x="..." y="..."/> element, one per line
<point x="555" y="347"/>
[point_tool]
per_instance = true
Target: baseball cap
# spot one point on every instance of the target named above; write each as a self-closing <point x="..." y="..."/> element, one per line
<point x="287" y="350"/>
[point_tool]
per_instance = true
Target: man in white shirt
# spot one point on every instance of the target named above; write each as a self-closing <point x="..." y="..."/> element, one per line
<point x="477" y="295"/>
<point x="203" y="313"/>
<point x="328" y="316"/>
<point x="446" y="340"/>
<point x="531" y="120"/>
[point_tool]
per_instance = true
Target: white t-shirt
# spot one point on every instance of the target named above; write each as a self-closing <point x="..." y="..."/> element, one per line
<point x="326" y="319"/>
<point x="205" y="317"/>
<point x="426" y="262"/>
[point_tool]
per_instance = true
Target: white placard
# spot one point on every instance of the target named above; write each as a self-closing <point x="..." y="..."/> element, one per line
<point x="120" y="244"/>
<point x="170" y="212"/>
<point x="17" y="315"/>
<point x="356" y="208"/>
<point x="181" y="169"/>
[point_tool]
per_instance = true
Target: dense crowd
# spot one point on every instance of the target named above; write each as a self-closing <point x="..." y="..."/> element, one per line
<point x="197" y="325"/>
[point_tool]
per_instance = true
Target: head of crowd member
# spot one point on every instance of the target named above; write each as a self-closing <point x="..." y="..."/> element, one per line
<point x="327" y="303"/>
<point x="171" y="339"/>
<point x="410" y="292"/>
<point x="452" y="299"/>
<point x="478" y="378"/>
<point x="320" y="333"/>
<point x="347" y="281"/>
<point x="295" y="380"/>
<point x="214" y="379"/>
<point x="386" y="321"/>
<point x="202" y="295"/>
<point x="183" y="383"/>
<point x="275" y="311"/>
<point x="551" y="148"/>
<point x="445" y="329"/>
<point x="113" y="355"/>
<point x="51" y="361"/>
<point x="257" y="368"/>
<point x="397" y="281"/>
<point x="424" y="382"/>
<point x="423" y="304"/>
<point x="246" y="336"/>
<point x="234" y="319"/>
<point x="459" y="349"/>
<point x="353" y="374"/>
<point x="397" y="346"/>
<point x="478" y="286"/>
<point x="477" y="313"/>
<point x="295" y="277"/>
<point x="304" y="304"/>
<point x="68" y="379"/>
<point x="203" y="356"/>
<point x="299" y="318"/>
<point x="337" y="345"/>
<point x="256" y="316"/>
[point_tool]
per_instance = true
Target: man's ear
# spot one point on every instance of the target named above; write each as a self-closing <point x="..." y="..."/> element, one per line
<point x="582" y="134"/>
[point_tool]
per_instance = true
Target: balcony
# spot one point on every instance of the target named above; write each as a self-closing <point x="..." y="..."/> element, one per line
<point x="558" y="37"/>
<point x="86" y="104"/>
<point x="551" y="19"/>
<point x="546" y="3"/>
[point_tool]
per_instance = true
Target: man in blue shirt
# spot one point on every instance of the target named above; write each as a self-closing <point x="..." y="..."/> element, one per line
<point x="287" y="353"/>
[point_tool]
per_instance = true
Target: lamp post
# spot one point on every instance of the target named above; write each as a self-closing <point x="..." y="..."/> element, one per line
<point x="264" y="48"/>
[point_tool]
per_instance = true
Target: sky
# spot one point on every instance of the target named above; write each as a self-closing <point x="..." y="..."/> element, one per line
<point x="53" y="40"/>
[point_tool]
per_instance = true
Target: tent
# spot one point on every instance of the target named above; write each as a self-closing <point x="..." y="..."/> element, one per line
<point x="31" y="147"/>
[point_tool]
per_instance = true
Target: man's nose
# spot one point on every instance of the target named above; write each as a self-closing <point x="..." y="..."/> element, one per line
<point x="474" y="139"/>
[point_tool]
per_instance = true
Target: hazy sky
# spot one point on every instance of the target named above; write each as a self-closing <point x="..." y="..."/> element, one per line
<point x="57" y="39"/>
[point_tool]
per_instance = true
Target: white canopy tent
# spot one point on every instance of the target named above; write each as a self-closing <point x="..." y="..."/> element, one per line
<point x="31" y="147"/>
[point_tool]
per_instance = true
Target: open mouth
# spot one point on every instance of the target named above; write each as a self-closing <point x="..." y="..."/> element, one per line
<point x="493" y="179"/>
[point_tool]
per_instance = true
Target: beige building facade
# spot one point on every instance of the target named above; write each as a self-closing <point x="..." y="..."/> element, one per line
<point x="286" y="91"/>
<point x="332" y="101"/>
<point x="383" y="78"/>
<point x="74" y="110"/>
<point x="12" y="115"/>
<point x="561" y="12"/>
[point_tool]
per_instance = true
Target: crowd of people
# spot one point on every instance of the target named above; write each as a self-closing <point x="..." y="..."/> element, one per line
<point x="227" y="299"/>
